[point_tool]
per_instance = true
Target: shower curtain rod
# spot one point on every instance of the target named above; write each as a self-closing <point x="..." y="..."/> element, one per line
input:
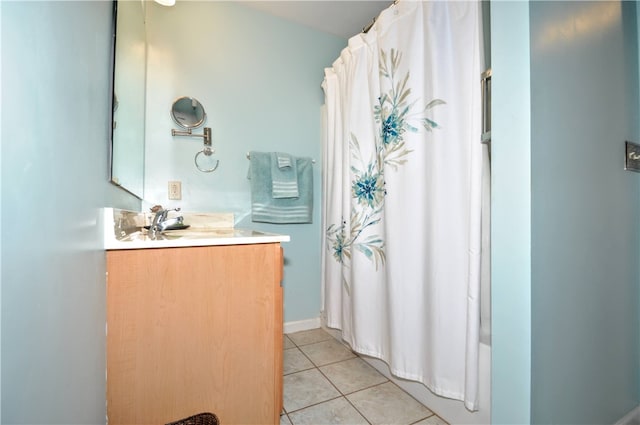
<point x="366" y="28"/>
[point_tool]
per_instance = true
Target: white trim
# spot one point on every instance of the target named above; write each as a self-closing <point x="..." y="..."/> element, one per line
<point x="630" y="418"/>
<point x="302" y="325"/>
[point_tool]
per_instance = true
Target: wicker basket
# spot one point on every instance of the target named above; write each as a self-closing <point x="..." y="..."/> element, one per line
<point x="199" y="419"/>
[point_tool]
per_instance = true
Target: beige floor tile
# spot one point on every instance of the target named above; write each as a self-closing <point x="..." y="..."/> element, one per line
<point x="325" y="352"/>
<point x="352" y="375"/>
<point x="287" y="343"/>
<point x="302" y="389"/>
<point x="295" y="361"/>
<point x="432" y="420"/>
<point x="388" y="404"/>
<point x="309" y="337"/>
<point x="336" y="411"/>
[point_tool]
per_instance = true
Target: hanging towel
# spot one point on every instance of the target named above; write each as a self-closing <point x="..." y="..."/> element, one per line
<point x="284" y="176"/>
<point x="265" y="208"/>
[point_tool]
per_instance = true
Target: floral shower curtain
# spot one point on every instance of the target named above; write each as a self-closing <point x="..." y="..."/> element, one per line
<point x="402" y="191"/>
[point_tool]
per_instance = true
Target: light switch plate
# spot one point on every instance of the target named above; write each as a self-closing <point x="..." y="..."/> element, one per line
<point x="175" y="190"/>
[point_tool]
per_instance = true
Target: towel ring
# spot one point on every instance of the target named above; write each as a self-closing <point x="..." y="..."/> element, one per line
<point x="207" y="151"/>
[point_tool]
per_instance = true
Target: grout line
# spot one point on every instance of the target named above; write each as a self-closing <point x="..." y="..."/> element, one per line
<point x="309" y="343"/>
<point x="416" y="400"/>
<point x="313" y="365"/>
<point x="367" y="388"/>
<point x="420" y="420"/>
<point x="327" y="364"/>
<point x="314" y="404"/>
<point x="347" y="398"/>
<point x="330" y="381"/>
<point x="289" y="417"/>
<point x="357" y="410"/>
<point x="352" y="392"/>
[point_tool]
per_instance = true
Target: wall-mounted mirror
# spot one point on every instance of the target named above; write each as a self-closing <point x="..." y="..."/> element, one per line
<point x="129" y="91"/>
<point x="187" y="112"/>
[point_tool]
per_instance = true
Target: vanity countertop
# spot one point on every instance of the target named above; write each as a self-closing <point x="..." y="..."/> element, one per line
<point x="118" y="236"/>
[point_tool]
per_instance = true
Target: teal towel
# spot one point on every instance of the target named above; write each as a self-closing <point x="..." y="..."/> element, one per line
<point x="265" y="208"/>
<point x="284" y="176"/>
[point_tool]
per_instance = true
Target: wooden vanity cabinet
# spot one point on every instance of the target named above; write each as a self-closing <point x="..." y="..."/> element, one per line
<point x="192" y="330"/>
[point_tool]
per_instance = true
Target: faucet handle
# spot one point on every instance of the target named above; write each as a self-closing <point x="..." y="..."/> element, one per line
<point x="161" y="216"/>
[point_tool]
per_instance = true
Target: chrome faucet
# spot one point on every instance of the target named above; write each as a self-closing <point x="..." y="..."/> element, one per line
<point x="160" y="221"/>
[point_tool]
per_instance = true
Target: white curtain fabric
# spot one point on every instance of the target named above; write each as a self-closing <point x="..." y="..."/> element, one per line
<point x="402" y="194"/>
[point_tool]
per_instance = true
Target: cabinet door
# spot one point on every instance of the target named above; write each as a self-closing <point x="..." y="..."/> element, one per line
<point x="194" y="330"/>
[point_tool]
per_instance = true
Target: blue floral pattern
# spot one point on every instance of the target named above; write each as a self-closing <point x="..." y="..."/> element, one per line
<point x="394" y="117"/>
<point x="368" y="188"/>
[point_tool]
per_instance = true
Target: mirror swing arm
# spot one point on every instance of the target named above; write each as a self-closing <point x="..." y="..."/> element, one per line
<point x="188" y="113"/>
<point x="207" y="151"/>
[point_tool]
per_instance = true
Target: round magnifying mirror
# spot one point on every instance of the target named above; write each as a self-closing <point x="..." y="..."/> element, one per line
<point x="187" y="112"/>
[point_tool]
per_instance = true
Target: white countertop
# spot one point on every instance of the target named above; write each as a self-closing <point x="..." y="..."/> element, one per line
<point x="140" y="239"/>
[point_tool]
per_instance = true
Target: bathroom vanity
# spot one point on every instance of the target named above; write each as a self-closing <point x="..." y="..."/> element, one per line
<point x="194" y="324"/>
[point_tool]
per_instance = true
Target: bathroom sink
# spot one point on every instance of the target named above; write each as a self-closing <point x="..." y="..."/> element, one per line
<point x="129" y="230"/>
<point x="199" y="233"/>
<point x="177" y="233"/>
<point x="173" y="227"/>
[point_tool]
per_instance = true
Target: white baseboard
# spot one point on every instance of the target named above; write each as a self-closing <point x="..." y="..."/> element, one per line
<point x="301" y="325"/>
<point x="631" y="418"/>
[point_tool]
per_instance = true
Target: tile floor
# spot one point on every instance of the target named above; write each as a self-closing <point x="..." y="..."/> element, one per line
<point x="326" y="383"/>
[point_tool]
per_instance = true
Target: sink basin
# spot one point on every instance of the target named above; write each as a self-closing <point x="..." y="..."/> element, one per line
<point x="173" y="227"/>
<point x="172" y="234"/>
<point x="199" y="233"/>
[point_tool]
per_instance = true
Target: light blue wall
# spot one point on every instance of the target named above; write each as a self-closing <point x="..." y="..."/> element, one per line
<point x="511" y="214"/>
<point x="585" y="325"/>
<point x="55" y="120"/>
<point x="258" y="78"/>
<point x="578" y="313"/>
<point x="585" y="212"/>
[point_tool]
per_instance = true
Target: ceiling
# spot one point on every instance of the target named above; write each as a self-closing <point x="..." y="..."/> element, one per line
<point x="344" y="18"/>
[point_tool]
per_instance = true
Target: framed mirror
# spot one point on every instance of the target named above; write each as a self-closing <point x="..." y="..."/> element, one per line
<point x="129" y="92"/>
<point x="188" y="112"/>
